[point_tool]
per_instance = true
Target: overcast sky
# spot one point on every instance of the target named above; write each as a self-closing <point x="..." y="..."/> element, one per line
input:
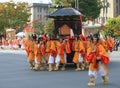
<point x="29" y="1"/>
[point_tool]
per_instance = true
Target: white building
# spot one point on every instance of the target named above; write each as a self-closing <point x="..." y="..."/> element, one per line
<point x="111" y="8"/>
<point x="38" y="12"/>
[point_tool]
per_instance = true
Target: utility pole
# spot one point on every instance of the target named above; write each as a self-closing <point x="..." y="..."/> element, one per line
<point x="77" y="4"/>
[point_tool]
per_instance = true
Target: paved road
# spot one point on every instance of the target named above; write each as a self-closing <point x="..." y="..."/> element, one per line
<point x="14" y="73"/>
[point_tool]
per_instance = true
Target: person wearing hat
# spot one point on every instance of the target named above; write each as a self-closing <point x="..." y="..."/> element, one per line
<point x="97" y="58"/>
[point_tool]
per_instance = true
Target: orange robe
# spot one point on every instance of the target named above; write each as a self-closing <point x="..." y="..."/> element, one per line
<point x="79" y="48"/>
<point x="110" y="43"/>
<point x="4" y="42"/>
<point x="67" y="47"/>
<point x="100" y="52"/>
<point x="47" y="50"/>
<point x="53" y="48"/>
<point x="60" y="51"/>
<point x="37" y="52"/>
<point x="26" y="43"/>
<point x="30" y="50"/>
<point x="104" y="44"/>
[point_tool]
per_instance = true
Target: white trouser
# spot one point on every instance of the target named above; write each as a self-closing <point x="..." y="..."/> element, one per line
<point x="51" y="60"/>
<point x="57" y="59"/>
<point x="80" y="58"/>
<point x="100" y="71"/>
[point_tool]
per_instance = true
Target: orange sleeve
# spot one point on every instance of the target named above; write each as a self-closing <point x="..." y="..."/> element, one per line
<point x="81" y="47"/>
<point x="35" y="49"/>
<point x="43" y="49"/>
<point x="53" y="48"/>
<point x="103" y="54"/>
<point x="67" y="47"/>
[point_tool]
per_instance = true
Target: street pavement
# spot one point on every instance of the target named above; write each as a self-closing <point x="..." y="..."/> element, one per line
<point x="15" y="73"/>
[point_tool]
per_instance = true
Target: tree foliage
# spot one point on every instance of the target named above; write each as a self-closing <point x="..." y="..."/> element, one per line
<point x="112" y="26"/>
<point x="89" y="8"/>
<point x="38" y="26"/>
<point x="49" y="27"/>
<point x="13" y="14"/>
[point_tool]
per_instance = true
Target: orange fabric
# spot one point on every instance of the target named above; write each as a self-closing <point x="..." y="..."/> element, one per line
<point x="79" y="48"/>
<point x="103" y="54"/>
<point x="88" y="48"/>
<point x="37" y="53"/>
<point x="47" y="55"/>
<point x="26" y="46"/>
<point x="112" y="41"/>
<point x="47" y="49"/>
<point x="100" y="52"/>
<point x="15" y="42"/>
<point x="11" y="41"/>
<point x="30" y="48"/>
<point x="48" y="44"/>
<point x="60" y="50"/>
<point x="43" y="49"/>
<point x="67" y="47"/>
<point x="4" y="41"/>
<point x="62" y="60"/>
<point x="76" y="56"/>
<point x="53" y="48"/>
<point x="104" y="44"/>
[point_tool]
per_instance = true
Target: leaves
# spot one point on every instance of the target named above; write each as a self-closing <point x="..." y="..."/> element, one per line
<point x="90" y="8"/>
<point x="49" y="27"/>
<point x="113" y="26"/>
<point x="13" y="14"/>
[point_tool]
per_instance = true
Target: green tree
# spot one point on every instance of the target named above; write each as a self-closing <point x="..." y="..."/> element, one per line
<point x="38" y="26"/>
<point x="62" y="2"/>
<point x="90" y="8"/>
<point x="13" y="15"/>
<point x="49" y="27"/>
<point x="112" y="26"/>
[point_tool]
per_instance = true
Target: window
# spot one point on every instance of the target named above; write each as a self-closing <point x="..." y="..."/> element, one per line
<point x="37" y="16"/>
<point x="38" y="9"/>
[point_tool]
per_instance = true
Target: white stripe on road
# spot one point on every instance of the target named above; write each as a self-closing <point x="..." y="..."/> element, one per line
<point x="13" y="51"/>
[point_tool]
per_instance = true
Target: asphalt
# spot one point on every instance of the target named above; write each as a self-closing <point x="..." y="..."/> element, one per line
<point x="15" y="73"/>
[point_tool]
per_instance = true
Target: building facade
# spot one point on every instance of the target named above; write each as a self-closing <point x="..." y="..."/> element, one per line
<point x="38" y="11"/>
<point x="110" y="9"/>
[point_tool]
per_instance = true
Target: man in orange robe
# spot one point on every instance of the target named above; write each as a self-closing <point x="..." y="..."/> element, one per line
<point x="38" y="55"/>
<point x="79" y="50"/>
<point x="52" y="56"/>
<point x="30" y="50"/>
<point x="60" y="58"/>
<point x="98" y="58"/>
<point x="47" y="48"/>
<point x="110" y="43"/>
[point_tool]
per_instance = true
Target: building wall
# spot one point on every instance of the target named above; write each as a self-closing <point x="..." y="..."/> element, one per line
<point x="39" y="11"/>
<point x="111" y="8"/>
